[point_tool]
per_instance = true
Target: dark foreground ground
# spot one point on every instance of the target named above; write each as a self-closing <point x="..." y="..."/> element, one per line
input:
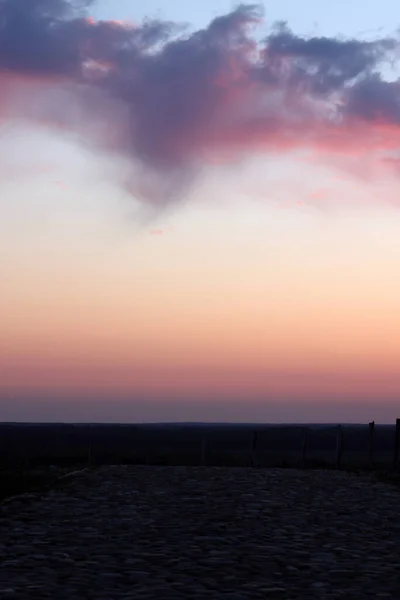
<point x="171" y="533"/>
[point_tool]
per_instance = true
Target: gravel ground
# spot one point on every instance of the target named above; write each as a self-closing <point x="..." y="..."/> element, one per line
<point x="203" y="532"/>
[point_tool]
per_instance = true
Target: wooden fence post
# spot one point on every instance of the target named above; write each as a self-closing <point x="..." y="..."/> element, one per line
<point x="253" y="448"/>
<point x="304" y="446"/>
<point x="90" y="455"/>
<point x="396" y="445"/>
<point x="203" y="451"/>
<point x="371" y="443"/>
<point x="339" y="446"/>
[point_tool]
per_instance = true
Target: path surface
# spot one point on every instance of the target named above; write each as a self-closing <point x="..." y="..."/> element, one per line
<point x="194" y="533"/>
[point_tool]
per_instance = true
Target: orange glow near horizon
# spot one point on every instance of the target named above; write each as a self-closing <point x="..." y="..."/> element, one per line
<point x="241" y="301"/>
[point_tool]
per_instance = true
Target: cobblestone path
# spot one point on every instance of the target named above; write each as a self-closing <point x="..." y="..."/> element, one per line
<point x="137" y="533"/>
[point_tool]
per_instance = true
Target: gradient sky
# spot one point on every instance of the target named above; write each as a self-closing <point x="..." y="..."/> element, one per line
<point x="267" y="290"/>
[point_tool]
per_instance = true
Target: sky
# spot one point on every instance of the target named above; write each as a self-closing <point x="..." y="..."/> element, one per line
<point x="199" y="211"/>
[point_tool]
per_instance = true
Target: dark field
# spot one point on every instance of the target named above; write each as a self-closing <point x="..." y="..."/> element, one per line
<point x="33" y="456"/>
<point x="70" y="444"/>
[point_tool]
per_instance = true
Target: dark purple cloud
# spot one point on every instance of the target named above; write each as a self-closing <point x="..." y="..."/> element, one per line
<point x="192" y="97"/>
<point x="326" y="64"/>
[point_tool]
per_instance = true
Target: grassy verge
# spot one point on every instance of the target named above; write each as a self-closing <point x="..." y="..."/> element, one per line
<point x="18" y="480"/>
<point x="391" y="477"/>
<point x="15" y="480"/>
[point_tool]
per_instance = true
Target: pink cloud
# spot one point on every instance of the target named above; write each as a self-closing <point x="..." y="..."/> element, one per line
<point x="180" y="100"/>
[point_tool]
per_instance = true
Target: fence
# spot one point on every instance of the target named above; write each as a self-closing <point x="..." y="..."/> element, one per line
<point x="339" y="447"/>
<point x="206" y="455"/>
<point x="263" y="446"/>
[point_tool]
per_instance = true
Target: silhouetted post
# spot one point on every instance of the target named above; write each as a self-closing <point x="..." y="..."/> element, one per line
<point x="339" y="446"/>
<point x="253" y="448"/>
<point x="90" y="455"/>
<point x="203" y="450"/>
<point x="396" y="445"/>
<point x="371" y="443"/>
<point x="304" y="446"/>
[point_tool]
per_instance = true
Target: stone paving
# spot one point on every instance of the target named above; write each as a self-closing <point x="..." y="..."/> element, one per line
<point x="167" y="533"/>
